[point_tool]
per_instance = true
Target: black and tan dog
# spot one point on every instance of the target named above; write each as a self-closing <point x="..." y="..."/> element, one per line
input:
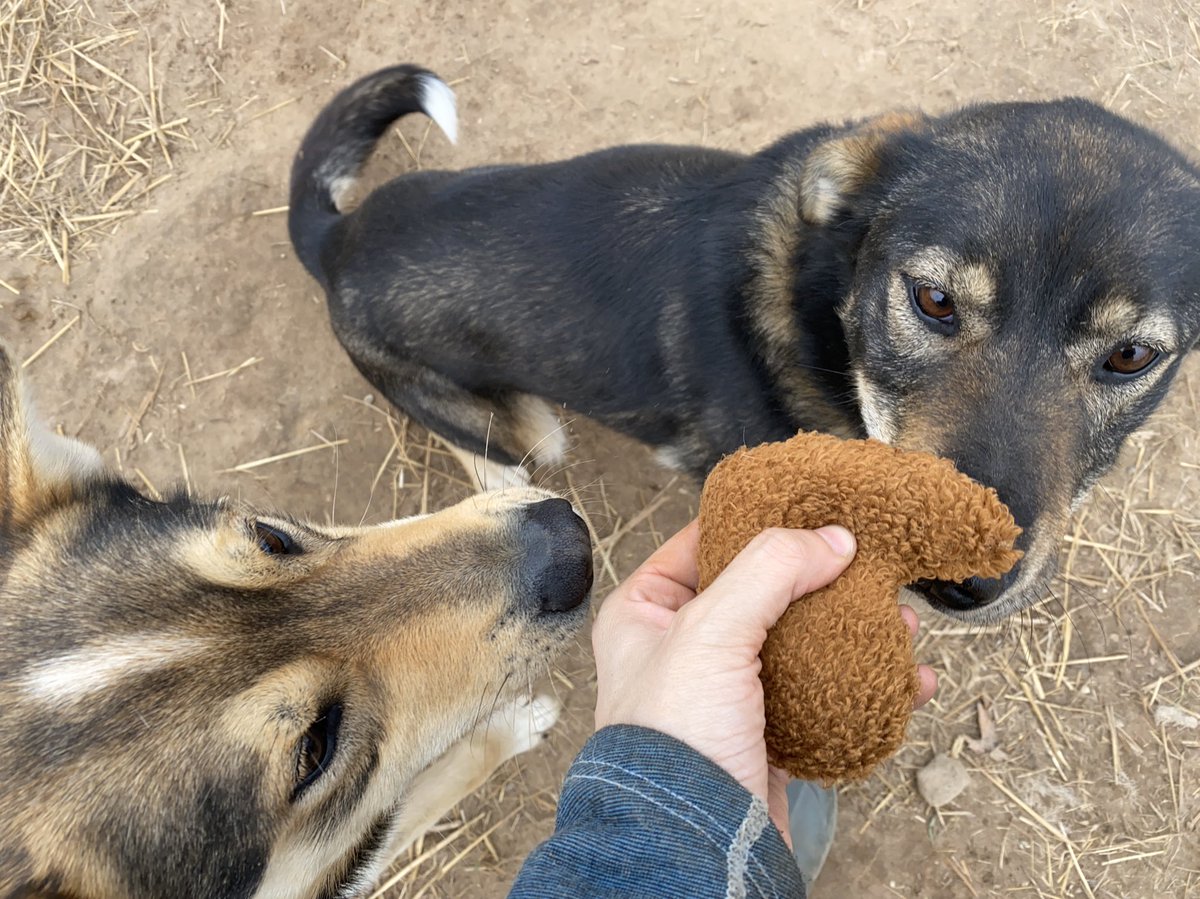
<point x="200" y="700"/>
<point x="1011" y="285"/>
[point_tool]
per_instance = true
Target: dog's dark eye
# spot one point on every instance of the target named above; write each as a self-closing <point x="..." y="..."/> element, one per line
<point x="1130" y="359"/>
<point x="274" y="542"/>
<point x="316" y="748"/>
<point x="933" y="305"/>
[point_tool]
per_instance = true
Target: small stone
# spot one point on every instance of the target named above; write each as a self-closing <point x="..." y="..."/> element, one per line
<point x="940" y="781"/>
<point x="1173" y="715"/>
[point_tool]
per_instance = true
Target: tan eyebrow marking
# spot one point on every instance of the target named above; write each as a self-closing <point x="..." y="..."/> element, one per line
<point x="973" y="282"/>
<point x="1113" y="315"/>
<point x="969" y="281"/>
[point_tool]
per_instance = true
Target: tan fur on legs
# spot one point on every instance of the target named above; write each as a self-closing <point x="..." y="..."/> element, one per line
<point x="531" y="424"/>
<point x="487" y="474"/>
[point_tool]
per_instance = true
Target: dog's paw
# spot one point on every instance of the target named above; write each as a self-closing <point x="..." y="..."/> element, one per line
<point x="525" y="722"/>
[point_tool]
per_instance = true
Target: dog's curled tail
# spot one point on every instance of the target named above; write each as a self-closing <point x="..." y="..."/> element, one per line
<point x="341" y="139"/>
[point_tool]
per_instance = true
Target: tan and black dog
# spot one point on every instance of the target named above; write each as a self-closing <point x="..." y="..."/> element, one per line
<point x="202" y="700"/>
<point x="1011" y="285"/>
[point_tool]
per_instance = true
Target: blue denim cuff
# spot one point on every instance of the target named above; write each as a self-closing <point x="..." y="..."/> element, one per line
<point x="642" y="814"/>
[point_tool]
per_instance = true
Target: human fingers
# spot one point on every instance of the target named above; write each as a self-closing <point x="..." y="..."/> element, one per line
<point x="644" y="603"/>
<point x="777" y="567"/>
<point x="927" y="683"/>
<point x="927" y="680"/>
<point x="669" y="577"/>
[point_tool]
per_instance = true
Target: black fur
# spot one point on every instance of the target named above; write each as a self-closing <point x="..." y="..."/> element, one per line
<point x="338" y="143"/>
<point x="643" y="286"/>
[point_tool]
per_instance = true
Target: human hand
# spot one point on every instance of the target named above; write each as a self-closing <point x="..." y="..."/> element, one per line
<point x="688" y="665"/>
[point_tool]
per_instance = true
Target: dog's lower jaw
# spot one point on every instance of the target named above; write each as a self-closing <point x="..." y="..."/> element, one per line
<point x="514" y="728"/>
<point x="670" y="457"/>
<point x="369" y="861"/>
<point x="543" y="439"/>
<point x="519" y="725"/>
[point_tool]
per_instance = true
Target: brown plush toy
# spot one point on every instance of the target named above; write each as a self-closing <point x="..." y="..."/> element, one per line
<point x="838" y="671"/>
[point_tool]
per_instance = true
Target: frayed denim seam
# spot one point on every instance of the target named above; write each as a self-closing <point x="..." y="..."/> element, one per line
<point x="738" y="854"/>
<point x="760" y="868"/>
<point x="673" y="813"/>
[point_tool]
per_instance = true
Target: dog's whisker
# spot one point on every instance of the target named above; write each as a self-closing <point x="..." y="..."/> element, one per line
<point x="487" y="441"/>
<point x="495" y="702"/>
<point x="529" y="452"/>
<point x="483" y="695"/>
<point x="392" y="448"/>
<point x="1016" y="625"/>
<point x="1092" y="606"/>
<point x="595" y="488"/>
<point x="337" y="459"/>
<point x="565" y="467"/>
<point x="550" y="469"/>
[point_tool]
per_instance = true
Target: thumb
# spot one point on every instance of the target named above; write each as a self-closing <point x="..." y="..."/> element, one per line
<point x="776" y="567"/>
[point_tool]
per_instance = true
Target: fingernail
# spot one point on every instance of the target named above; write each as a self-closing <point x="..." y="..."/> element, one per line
<point x="840" y="540"/>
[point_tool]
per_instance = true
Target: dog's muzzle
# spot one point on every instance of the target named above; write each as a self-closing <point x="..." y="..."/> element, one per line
<point x="556" y="571"/>
<point x="963" y="597"/>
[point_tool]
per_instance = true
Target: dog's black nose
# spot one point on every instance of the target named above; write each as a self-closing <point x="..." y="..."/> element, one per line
<point x="556" y="572"/>
<point x="973" y="593"/>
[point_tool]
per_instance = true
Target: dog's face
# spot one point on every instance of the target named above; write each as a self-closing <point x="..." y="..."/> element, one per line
<point x="201" y="700"/>
<point x="1026" y="282"/>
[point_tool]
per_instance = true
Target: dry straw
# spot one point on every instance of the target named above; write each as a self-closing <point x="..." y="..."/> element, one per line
<point x="83" y="134"/>
<point x="1076" y="791"/>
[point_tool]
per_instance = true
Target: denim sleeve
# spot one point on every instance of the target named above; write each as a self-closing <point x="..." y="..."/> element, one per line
<point x="644" y="815"/>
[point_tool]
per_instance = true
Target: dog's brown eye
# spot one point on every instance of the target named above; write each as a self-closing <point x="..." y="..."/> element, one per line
<point x="272" y="541"/>
<point x="316" y="748"/>
<point x="1130" y="359"/>
<point x="933" y="306"/>
<point x="934" y="303"/>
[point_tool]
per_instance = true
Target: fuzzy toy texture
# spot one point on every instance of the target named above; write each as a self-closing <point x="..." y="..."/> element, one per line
<point x="838" y="671"/>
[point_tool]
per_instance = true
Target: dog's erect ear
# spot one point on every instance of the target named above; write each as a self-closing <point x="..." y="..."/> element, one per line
<point x="38" y="468"/>
<point x="840" y="167"/>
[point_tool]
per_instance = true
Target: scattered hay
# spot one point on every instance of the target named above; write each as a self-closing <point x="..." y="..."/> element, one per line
<point x="1094" y="784"/>
<point x="84" y="137"/>
<point x="1069" y="692"/>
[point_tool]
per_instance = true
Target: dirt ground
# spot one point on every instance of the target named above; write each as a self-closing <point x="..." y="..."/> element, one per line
<point x="1087" y="793"/>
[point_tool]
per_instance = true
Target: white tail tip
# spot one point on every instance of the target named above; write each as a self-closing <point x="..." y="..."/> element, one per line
<point x="437" y="99"/>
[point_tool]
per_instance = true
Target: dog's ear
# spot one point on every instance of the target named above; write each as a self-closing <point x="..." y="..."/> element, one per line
<point x="840" y="167"/>
<point x="38" y="468"/>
